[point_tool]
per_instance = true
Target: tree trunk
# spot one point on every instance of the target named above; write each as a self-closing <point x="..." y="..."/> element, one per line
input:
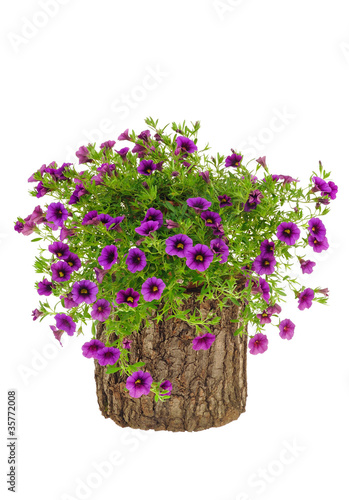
<point x="209" y="387"/>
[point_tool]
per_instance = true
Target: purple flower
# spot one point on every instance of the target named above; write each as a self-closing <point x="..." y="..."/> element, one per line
<point x="318" y="246"/>
<point x="165" y="388"/>
<point x="152" y="289"/>
<point x="174" y="173"/>
<point x="45" y="287"/>
<point x="203" y="342"/>
<point x="224" y="201"/>
<point x="305" y="299"/>
<point x="100" y="273"/>
<point x="288" y="232"/>
<point x="77" y="194"/>
<point x="140" y="150"/>
<point x="136" y="260"/>
<point x="115" y="223"/>
<point x="275" y="309"/>
<point x="262" y="161"/>
<point x="287" y="179"/>
<point x="19" y="226"/>
<point x="260" y="286"/>
<point x="37" y="216"/>
<point x="90" y="349"/>
<point x="321" y="185"/>
<point x="36" y="314"/>
<point x="317" y="228"/>
<point x="334" y="191"/>
<point x="104" y="218"/>
<point x="144" y="135"/>
<point x="206" y="176"/>
<point x="68" y="301"/>
<point x="126" y="343"/>
<point x="286" y="329"/>
<point x="61" y="271"/>
<point x="28" y="228"/>
<point x="90" y="218"/>
<point x="65" y="232"/>
<point x="128" y="296"/>
<point x="154" y="215"/>
<point x="123" y="152"/>
<point x="307" y="266"/>
<point x="178" y="245"/>
<point x="264" y="264"/>
<point x="84" y="291"/>
<point x="73" y="261"/>
<point x="185" y="146"/>
<point x="219" y="247"/>
<point x="108" y="144"/>
<point x="147" y="227"/>
<point x="198" y="203"/>
<point x="83" y="154"/>
<point x="199" y="257"/>
<point x="210" y="218"/>
<point x="218" y="229"/>
<point x="139" y="383"/>
<point x="146" y="167"/>
<point x="264" y="317"/>
<point x="258" y="344"/>
<point x="267" y="247"/>
<point x="324" y="291"/>
<point x="60" y="250"/>
<point x="101" y="310"/>
<point x="124" y="136"/>
<point x="254" y="199"/>
<point x="233" y="160"/>
<point x="171" y="224"/>
<point x="57" y="333"/>
<point x="65" y="323"/>
<point x="108" y="256"/>
<point x="145" y="184"/>
<point x="41" y="190"/>
<point x="107" y="355"/>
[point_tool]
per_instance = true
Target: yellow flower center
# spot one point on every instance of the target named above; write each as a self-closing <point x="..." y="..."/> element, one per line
<point x="138" y="381"/>
<point x="70" y="263"/>
<point x="264" y="315"/>
<point x="287" y="231"/>
<point x="180" y="245"/>
<point x="83" y="290"/>
<point x="155" y="288"/>
<point x="209" y="220"/>
<point x="266" y="262"/>
<point x="59" y="254"/>
<point x="148" y="170"/>
<point x="129" y="299"/>
<point x="315" y="241"/>
<point x="199" y="257"/>
<point x="61" y="273"/>
<point x="99" y="308"/>
<point x="313" y="228"/>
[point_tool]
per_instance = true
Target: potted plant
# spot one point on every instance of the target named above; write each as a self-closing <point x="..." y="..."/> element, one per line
<point x="172" y="253"/>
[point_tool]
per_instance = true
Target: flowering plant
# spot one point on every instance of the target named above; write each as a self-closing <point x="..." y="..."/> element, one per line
<point x="109" y="252"/>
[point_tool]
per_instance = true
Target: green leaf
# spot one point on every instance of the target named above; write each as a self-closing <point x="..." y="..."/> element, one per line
<point x="113" y="369"/>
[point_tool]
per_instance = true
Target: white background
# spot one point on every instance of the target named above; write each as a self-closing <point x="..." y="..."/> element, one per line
<point x="236" y="66"/>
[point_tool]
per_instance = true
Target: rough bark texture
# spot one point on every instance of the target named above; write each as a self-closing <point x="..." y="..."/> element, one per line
<point x="209" y="387"/>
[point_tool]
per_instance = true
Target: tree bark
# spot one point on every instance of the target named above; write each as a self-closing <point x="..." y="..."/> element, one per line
<point x="209" y="387"/>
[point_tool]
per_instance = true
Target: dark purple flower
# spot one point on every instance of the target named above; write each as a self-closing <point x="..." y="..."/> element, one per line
<point x="83" y="154"/>
<point x="107" y="355"/>
<point x="175" y="173"/>
<point x="64" y="322"/>
<point x="171" y="224"/>
<point x="178" y="245"/>
<point x="324" y="291"/>
<point x="199" y="257"/>
<point x="128" y="296"/>
<point x="233" y="160"/>
<point x="206" y="176"/>
<point x="307" y="266"/>
<point x="115" y="223"/>
<point x="203" y="342"/>
<point x="287" y="179"/>
<point x="57" y="333"/>
<point x="154" y="215"/>
<point x="318" y="246"/>
<point x="144" y="135"/>
<point x="90" y="349"/>
<point x="68" y="301"/>
<point x="28" y="228"/>
<point x="152" y="289"/>
<point x="19" y="226"/>
<point x="264" y="317"/>
<point x="123" y="152"/>
<point x="41" y="190"/>
<point x="210" y="218"/>
<point x="37" y="216"/>
<point x="225" y="201"/>
<point x="198" y="203"/>
<point x="305" y="299"/>
<point x="258" y="344"/>
<point x="320" y="185"/>
<point x="45" y="287"/>
<point x="264" y="264"/>
<point x="136" y="260"/>
<point x="108" y="256"/>
<point x="334" y="191"/>
<point x="286" y="329"/>
<point x="145" y="184"/>
<point x="108" y="144"/>
<point x="60" y="250"/>
<point x="73" y="261"/>
<point x="165" y="388"/>
<point x="100" y="273"/>
<point x="219" y="247"/>
<point x="36" y="314"/>
<point x="252" y="178"/>
<point x="139" y="383"/>
<point x="90" y="218"/>
<point x="146" y="167"/>
<point x="288" y="232"/>
<point x="61" y="271"/>
<point x="147" y="227"/>
<point x="275" y="309"/>
<point x="101" y="310"/>
<point x="124" y="136"/>
<point x="218" y="229"/>
<point x="84" y="291"/>
<point x="317" y="228"/>
<point x="185" y="146"/>
<point x="260" y="286"/>
<point x="267" y="247"/>
<point x="262" y="161"/>
<point x="141" y="151"/>
<point x="126" y="343"/>
<point x="254" y="199"/>
<point x="79" y="191"/>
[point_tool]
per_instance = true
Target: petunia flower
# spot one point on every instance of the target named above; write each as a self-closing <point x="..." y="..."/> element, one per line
<point x="254" y="199"/>
<point x="139" y="384"/>
<point x="146" y="167"/>
<point x="233" y="160"/>
<point x="68" y="301"/>
<point x="199" y="257"/>
<point x="57" y="333"/>
<point x="258" y="344"/>
<point x="90" y="349"/>
<point x="153" y="215"/>
<point x="107" y="355"/>
<point x="264" y="264"/>
<point x="83" y="154"/>
<point x="305" y="299"/>
<point x="66" y="323"/>
<point x="61" y="271"/>
<point x="73" y="261"/>
<point x="307" y="266"/>
<point x="128" y="296"/>
<point x="165" y="388"/>
<point x="152" y="289"/>
<point x="264" y="317"/>
<point x="124" y="136"/>
<point x="126" y="343"/>
<point x="267" y="247"/>
<point x="288" y="232"/>
<point x="178" y="245"/>
<point x="286" y="329"/>
<point x="198" y="203"/>
<point x="224" y="201"/>
<point x="146" y="228"/>
<point x="184" y="146"/>
<point x="60" y="250"/>
<point x="101" y="310"/>
<point x="45" y="287"/>
<point x="136" y="260"/>
<point x="317" y="228"/>
<point x="84" y="291"/>
<point x="108" y="256"/>
<point x="107" y="144"/>
<point x="203" y="342"/>
<point x="219" y="247"/>
<point x="36" y="314"/>
<point x="91" y="218"/>
<point x="318" y="246"/>
<point x="210" y="218"/>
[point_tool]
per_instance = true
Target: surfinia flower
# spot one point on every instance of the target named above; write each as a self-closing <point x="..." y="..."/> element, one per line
<point x="91" y="218"/>
<point x="320" y="185"/>
<point x="318" y="246"/>
<point x="154" y="215"/>
<point x="260" y="286"/>
<point x="107" y="144"/>
<point x="288" y="232"/>
<point x="107" y="355"/>
<point x="305" y="299"/>
<point x="146" y="228"/>
<point x="123" y="153"/>
<point x="139" y="384"/>
<point x="233" y="160"/>
<point x="258" y="344"/>
<point x="199" y="257"/>
<point x="84" y="291"/>
<point x="264" y="264"/>
<point x="334" y="190"/>
<point x="203" y="342"/>
<point x="178" y="245"/>
<point x="108" y="257"/>
<point x="65" y="232"/>
<point x="124" y="136"/>
<point x="114" y="224"/>
<point x="219" y="247"/>
<point x="19" y="226"/>
<point x="185" y="146"/>
<point x="59" y="249"/>
<point x="57" y="333"/>
<point x="57" y="213"/>
<point x="45" y="287"/>
<point x="210" y="218"/>
<point x="152" y="289"/>
<point x="317" y="228"/>
<point x="90" y="349"/>
<point x="100" y="273"/>
<point x="73" y="261"/>
<point x="254" y="199"/>
<point x="146" y="167"/>
<point x="205" y="176"/>
<point x="165" y="388"/>
<point x="286" y="329"/>
<point x="275" y="309"/>
<point x="198" y="203"/>
<point x="264" y="317"/>
<point x="61" y="271"/>
<point x="262" y="161"/>
<point x="100" y="310"/>
<point x="83" y="154"/>
<point x="267" y="247"/>
<point x="307" y="266"/>
<point x="66" y="323"/>
<point x="126" y="343"/>
<point x="68" y="301"/>
<point x="128" y="296"/>
<point x="104" y="218"/>
<point x="136" y="260"/>
<point x="36" y="314"/>
<point x="224" y="201"/>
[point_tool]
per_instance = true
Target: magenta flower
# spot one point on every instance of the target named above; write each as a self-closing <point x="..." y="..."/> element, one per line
<point x="264" y="264"/>
<point x="267" y="247"/>
<point x="84" y="291"/>
<point x="57" y="333"/>
<point x="90" y="349"/>
<point x="185" y="146"/>
<point x="73" y="261"/>
<point x="321" y="185"/>
<point x="210" y="218"/>
<point x="126" y="343"/>
<point x="254" y="199"/>
<point x="152" y="289"/>
<point x="139" y="383"/>
<point x="318" y="246"/>
<point x="219" y="247"/>
<point x="262" y="161"/>
<point x="224" y="201"/>
<point x="36" y="314"/>
<point x="60" y="250"/>
<point x="146" y="228"/>
<point x="65" y="232"/>
<point x="334" y="191"/>
<point x="66" y="323"/>
<point x="68" y="301"/>
<point x="317" y="228"/>
<point x="305" y="299"/>
<point x="165" y="388"/>
<point x="307" y="266"/>
<point x="288" y="232"/>
<point x="107" y="144"/>
<point x="198" y="203"/>
<point x="108" y="257"/>
<point x="115" y="223"/>
<point x="199" y="257"/>
<point x="146" y="167"/>
<point x="203" y="342"/>
<point x="107" y="355"/>
<point x="19" y="227"/>
<point x="205" y="176"/>
<point x="136" y="260"/>
<point x="154" y="215"/>
<point x="123" y="152"/>
<point x="83" y="154"/>
<point x="233" y="160"/>
<point x="264" y="317"/>
<point x="101" y="310"/>
<point x="275" y="309"/>
<point x="100" y="273"/>
<point x="57" y="213"/>
<point x="286" y="329"/>
<point x="61" y="271"/>
<point x="124" y="136"/>
<point x="258" y="344"/>
<point x="91" y="218"/>
<point x="128" y="296"/>
<point x="45" y="287"/>
<point x="178" y="245"/>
